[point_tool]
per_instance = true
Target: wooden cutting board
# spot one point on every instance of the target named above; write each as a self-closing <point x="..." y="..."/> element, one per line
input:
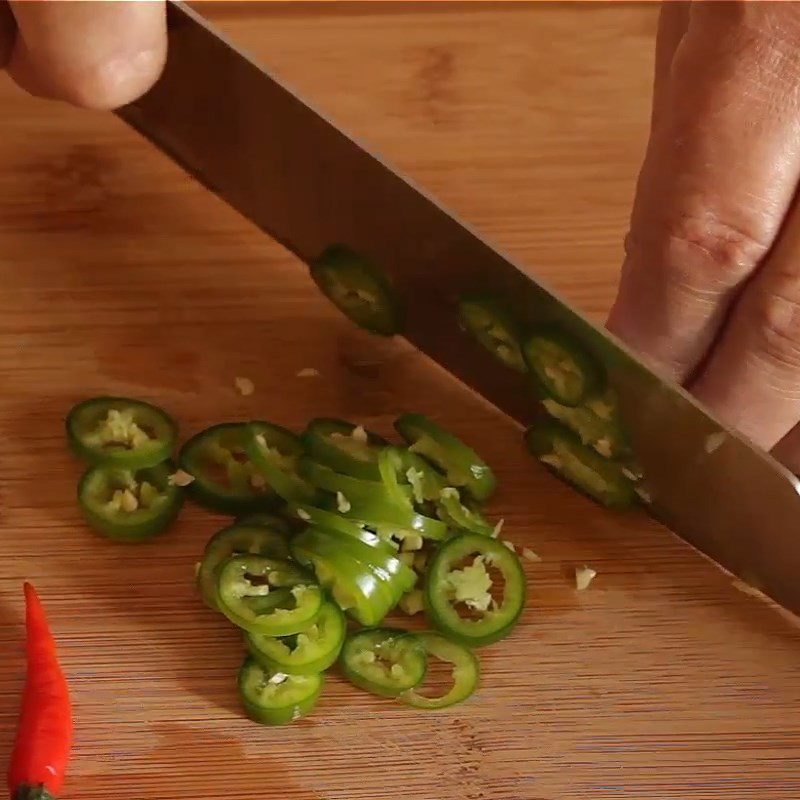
<point x="118" y="274"/>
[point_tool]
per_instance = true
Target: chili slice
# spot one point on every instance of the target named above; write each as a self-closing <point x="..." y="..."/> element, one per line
<point x="388" y="520"/>
<point x="349" y="490"/>
<point x="460" y="463"/>
<point x="358" y="289"/>
<point x="425" y="480"/>
<point x="129" y="505"/>
<point x="564" y="369"/>
<point x="238" y="539"/>
<point x="383" y="661"/>
<point x="225" y="478"/>
<point x="562" y="452"/>
<point x="363" y="581"/>
<point x="268" y="596"/>
<point x="328" y="520"/>
<point x="265" y="520"/>
<point x="458" y="578"/>
<point x="121" y="432"/>
<point x="275" y="451"/>
<point x="596" y="422"/>
<point x="459" y="516"/>
<point x="490" y="323"/>
<point x="275" y="698"/>
<point x="345" y="448"/>
<point x="466" y="673"/>
<point x="306" y="653"/>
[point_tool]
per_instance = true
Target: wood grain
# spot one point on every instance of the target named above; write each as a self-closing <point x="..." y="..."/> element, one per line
<point x="120" y="275"/>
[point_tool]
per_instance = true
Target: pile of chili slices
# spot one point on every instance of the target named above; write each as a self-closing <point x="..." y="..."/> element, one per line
<point x="335" y="529"/>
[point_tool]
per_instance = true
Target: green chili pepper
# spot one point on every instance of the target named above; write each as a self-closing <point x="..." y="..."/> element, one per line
<point x="306" y="653"/>
<point x="562" y="451"/>
<point x="348" y="490"/>
<point x="459" y="516"/>
<point x="276" y="698"/>
<point x="425" y="480"/>
<point x="466" y="673"/>
<point x="488" y="321"/>
<point x="387" y="520"/>
<point x="120" y="432"/>
<point x="564" y="369"/>
<point x="129" y="505"/>
<point x="384" y="661"/>
<point x="596" y="422"/>
<point x="460" y="463"/>
<point x="238" y="539"/>
<point x="265" y="520"/>
<point x="225" y="478"/>
<point x="358" y="289"/>
<point x="365" y="581"/>
<point x="344" y="447"/>
<point x="451" y="588"/>
<point x="328" y="520"/>
<point x="275" y="452"/>
<point x="267" y="596"/>
<point x="390" y="466"/>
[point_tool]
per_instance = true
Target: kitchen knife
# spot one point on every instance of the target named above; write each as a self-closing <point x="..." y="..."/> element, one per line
<point x="295" y="175"/>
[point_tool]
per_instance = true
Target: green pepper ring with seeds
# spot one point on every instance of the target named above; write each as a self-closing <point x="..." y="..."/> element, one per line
<point x="597" y="477"/>
<point x="120" y="432"/>
<point x="562" y="367"/>
<point x="129" y="505"/>
<point x="358" y="289"/>
<point x="490" y="323"/>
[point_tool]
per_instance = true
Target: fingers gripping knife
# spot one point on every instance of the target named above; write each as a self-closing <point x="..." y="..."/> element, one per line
<point x="294" y="174"/>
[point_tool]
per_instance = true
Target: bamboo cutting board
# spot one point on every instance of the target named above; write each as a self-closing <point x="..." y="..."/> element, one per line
<point x="119" y="275"/>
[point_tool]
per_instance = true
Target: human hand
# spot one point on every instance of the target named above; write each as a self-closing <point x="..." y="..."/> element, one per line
<point x="92" y="54"/>
<point x="710" y="292"/>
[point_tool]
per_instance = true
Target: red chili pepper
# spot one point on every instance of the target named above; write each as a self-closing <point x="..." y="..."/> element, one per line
<point x="44" y="737"/>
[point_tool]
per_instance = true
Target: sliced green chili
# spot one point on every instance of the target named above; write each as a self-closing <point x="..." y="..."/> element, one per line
<point x="596" y="422"/>
<point x="120" y="432"/>
<point x="275" y="452"/>
<point x="460" y="516"/>
<point x="225" y="478"/>
<point x="265" y="520"/>
<point x="358" y="289"/>
<point x="364" y="581"/>
<point x="564" y="369"/>
<point x="129" y="505"/>
<point x="490" y="323"/>
<point x="458" y="590"/>
<point x="267" y="596"/>
<point x="238" y="539"/>
<point x="311" y="651"/>
<point x="347" y="489"/>
<point x="460" y="463"/>
<point x="562" y="451"/>
<point x="345" y="448"/>
<point x="384" y="661"/>
<point x="466" y="673"/>
<point x="328" y="520"/>
<point x="276" y="698"/>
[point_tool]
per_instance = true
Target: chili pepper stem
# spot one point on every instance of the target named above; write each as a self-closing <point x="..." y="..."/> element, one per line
<point x="28" y="792"/>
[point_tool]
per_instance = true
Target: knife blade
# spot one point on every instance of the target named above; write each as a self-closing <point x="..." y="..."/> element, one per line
<point x="293" y="173"/>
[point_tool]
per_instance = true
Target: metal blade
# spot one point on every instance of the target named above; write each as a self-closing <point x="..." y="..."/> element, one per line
<point x="294" y="174"/>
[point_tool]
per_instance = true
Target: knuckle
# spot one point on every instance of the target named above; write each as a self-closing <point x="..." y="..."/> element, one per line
<point x="114" y="82"/>
<point x="700" y="252"/>
<point x="777" y="323"/>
